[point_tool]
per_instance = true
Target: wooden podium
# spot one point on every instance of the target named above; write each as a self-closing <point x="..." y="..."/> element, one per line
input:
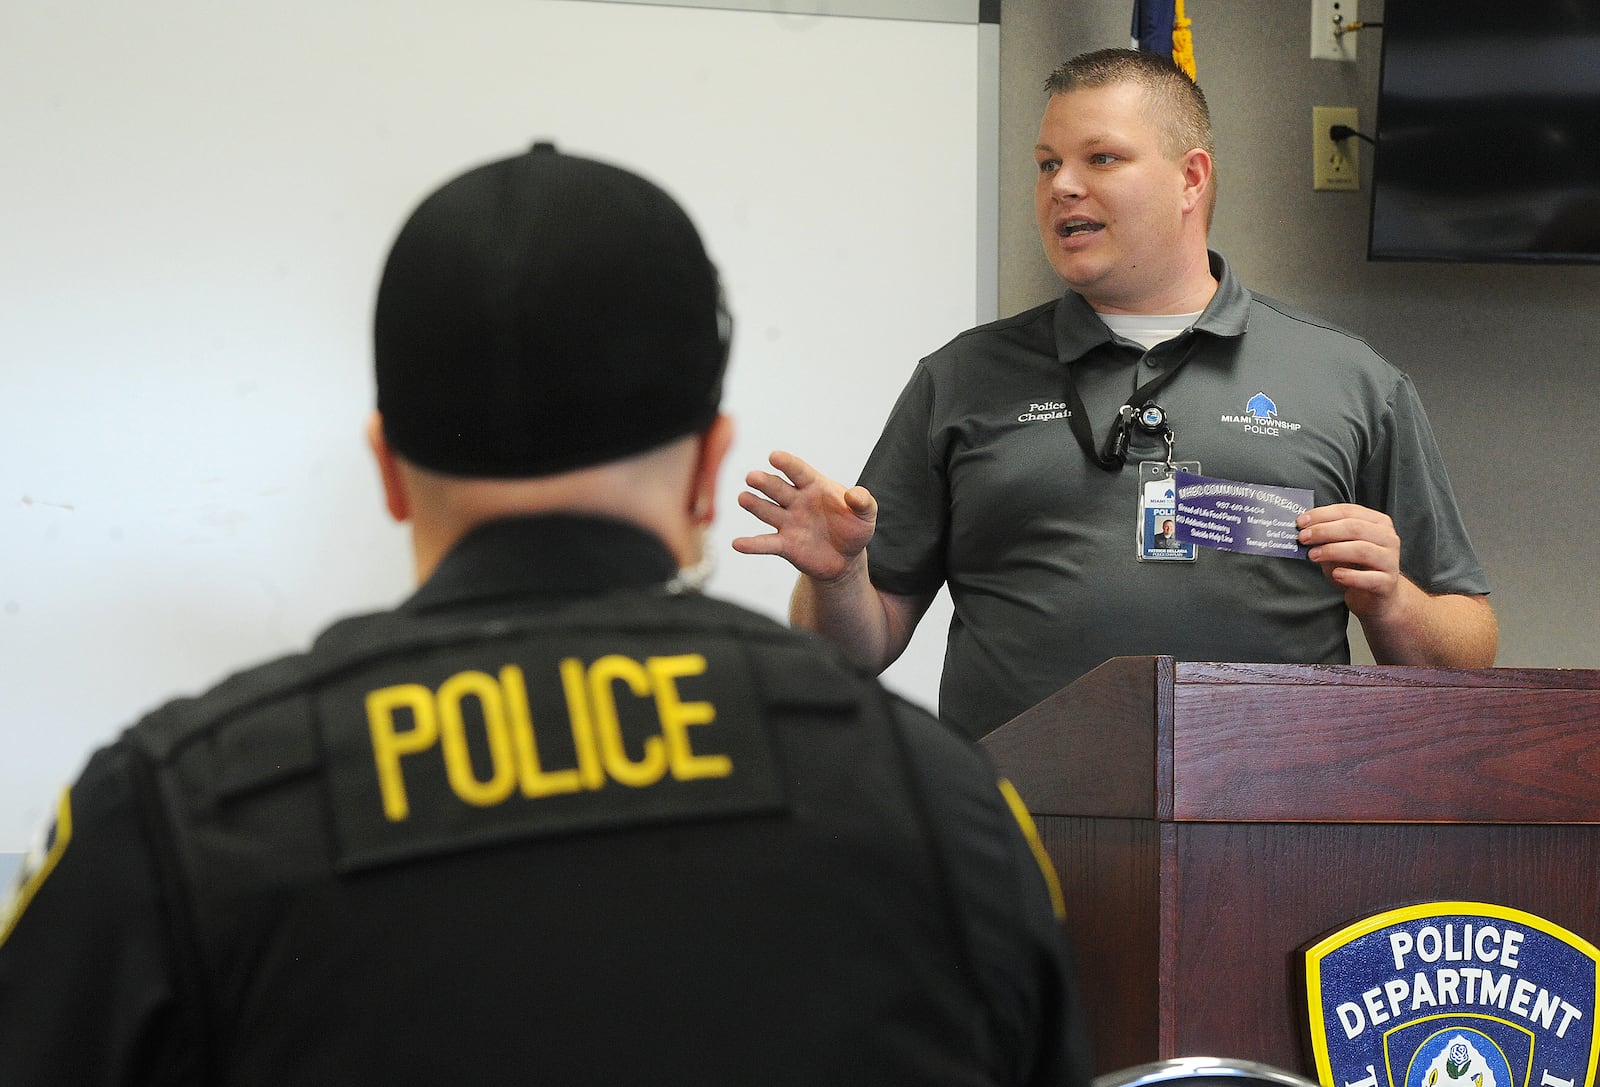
<point x="1210" y="821"/>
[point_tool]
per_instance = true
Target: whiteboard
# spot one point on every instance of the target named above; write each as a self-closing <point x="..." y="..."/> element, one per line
<point x="199" y="198"/>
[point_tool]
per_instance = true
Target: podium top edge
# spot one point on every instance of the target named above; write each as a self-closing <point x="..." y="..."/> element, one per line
<point x="1383" y="675"/>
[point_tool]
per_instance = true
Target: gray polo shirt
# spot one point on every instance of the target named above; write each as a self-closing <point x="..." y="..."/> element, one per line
<point x="982" y="485"/>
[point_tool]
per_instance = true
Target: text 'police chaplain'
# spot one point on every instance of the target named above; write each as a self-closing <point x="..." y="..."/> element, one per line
<point x="442" y="719"/>
<point x="1475" y="982"/>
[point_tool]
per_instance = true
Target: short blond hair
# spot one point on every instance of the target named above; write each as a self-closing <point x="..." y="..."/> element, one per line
<point x="1174" y="103"/>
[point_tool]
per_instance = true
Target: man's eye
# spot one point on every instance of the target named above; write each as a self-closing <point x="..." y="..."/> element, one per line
<point x="1102" y="158"/>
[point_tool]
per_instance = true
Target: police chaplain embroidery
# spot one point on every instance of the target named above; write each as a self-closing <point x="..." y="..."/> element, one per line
<point x="1453" y="994"/>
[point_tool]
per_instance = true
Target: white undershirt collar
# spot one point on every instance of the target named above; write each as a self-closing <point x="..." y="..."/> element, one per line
<point x="1147" y="329"/>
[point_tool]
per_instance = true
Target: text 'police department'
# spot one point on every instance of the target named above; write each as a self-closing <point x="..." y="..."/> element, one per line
<point x="1485" y="978"/>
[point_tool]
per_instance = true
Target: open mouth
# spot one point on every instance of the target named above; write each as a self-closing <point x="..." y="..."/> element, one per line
<point x="1070" y="228"/>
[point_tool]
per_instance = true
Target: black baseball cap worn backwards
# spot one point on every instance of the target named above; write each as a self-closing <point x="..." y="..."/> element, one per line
<point x="544" y="313"/>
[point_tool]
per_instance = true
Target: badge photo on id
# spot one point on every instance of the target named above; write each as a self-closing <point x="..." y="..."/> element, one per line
<point x="1158" y="513"/>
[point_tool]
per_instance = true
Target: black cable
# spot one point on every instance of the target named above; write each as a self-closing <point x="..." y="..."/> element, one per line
<point x="1340" y="133"/>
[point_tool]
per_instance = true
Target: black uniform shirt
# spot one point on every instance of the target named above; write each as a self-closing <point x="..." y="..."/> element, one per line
<point x="545" y="822"/>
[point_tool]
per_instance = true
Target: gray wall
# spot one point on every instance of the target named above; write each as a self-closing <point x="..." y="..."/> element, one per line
<point x="1503" y="355"/>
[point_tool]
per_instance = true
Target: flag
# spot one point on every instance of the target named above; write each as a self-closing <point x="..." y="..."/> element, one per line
<point x="1160" y="26"/>
<point x="1182" y="39"/>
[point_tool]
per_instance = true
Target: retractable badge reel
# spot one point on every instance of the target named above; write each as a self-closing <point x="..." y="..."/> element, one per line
<point x="1156" y="533"/>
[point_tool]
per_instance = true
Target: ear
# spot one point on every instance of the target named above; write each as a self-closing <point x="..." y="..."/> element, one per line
<point x="1197" y="166"/>
<point x="395" y="496"/>
<point x="714" y="443"/>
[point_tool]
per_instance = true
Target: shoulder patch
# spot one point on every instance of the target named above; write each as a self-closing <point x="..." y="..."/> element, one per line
<point x="40" y="861"/>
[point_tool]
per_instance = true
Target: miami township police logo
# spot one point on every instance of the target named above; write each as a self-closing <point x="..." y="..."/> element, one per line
<point x="1453" y="994"/>
<point x="1261" y="417"/>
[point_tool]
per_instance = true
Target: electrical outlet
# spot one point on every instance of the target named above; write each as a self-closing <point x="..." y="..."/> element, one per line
<point x="1327" y="16"/>
<point x="1335" y="164"/>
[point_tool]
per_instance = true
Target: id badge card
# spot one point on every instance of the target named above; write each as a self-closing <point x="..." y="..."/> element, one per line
<point x="1156" y="533"/>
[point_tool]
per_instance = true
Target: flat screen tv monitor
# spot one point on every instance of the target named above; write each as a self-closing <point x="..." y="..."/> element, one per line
<point x="1488" y="132"/>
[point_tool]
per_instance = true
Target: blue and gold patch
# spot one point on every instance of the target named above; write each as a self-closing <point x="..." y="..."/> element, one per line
<point x="36" y="867"/>
<point x="1453" y="994"/>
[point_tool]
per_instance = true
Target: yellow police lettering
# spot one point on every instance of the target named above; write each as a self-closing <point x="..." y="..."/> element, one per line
<point x="453" y="735"/>
<point x="441" y="719"/>
<point x="535" y="779"/>
<point x="604" y="674"/>
<point x="678" y="716"/>
<point x="388" y="745"/>
<point x="590" y="773"/>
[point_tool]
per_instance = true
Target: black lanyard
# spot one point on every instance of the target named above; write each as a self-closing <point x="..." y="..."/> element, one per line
<point x="1115" y="453"/>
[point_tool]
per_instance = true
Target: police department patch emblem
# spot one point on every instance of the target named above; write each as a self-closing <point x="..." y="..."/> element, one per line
<point x="1453" y="994"/>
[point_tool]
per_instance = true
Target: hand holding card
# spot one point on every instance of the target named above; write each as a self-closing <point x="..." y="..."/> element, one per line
<point x="1250" y="518"/>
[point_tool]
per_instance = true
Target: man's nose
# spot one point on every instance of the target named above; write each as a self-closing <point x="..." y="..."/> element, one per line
<point x="1065" y="184"/>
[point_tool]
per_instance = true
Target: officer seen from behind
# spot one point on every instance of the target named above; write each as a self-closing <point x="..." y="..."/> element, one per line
<point x="558" y="817"/>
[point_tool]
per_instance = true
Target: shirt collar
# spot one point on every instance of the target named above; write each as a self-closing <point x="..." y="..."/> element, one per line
<point x="1080" y="330"/>
<point x="545" y="556"/>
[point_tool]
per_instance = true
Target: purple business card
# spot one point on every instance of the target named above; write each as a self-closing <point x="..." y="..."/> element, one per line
<point x="1250" y="518"/>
